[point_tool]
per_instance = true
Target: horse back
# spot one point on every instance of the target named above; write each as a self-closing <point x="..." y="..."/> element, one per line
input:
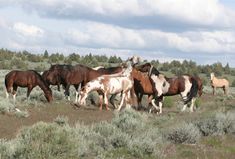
<point x="20" y="78"/>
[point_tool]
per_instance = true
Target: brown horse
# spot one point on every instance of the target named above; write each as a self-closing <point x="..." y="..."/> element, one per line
<point x="29" y="79"/>
<point x="187" y="86"/>
<point x="142" y="85"/>
<point x="74" y="75"/>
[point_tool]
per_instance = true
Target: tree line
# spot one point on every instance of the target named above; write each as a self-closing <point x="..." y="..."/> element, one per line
<point x="25" y="60"/>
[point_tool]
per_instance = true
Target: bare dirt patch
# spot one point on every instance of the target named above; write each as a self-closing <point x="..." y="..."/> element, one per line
<point x="10" y="124"/>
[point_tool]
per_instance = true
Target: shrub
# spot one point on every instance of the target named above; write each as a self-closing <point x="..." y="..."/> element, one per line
<point x="184" y="133"/>
<point x="61" y="120"/>
<point x="147" y="143"/>
<point x="218" y="124"/>
<point x="233" y="83"/>
<point x="21" y="114"/>
<point x="6" y="106"/>
<point x="47" y="140"/>
<point x="7" y="149"/>
<point x="129" y="121"/>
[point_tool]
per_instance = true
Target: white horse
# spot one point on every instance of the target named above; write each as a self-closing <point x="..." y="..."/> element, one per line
<point x="219" y="83"/>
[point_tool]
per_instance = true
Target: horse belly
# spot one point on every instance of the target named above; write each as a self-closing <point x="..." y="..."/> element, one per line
<point x="21" y="82"/>
<point x="114" y="86"/>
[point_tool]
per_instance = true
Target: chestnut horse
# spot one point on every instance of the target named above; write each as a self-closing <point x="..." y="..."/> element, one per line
<point x="29" y="79"/>
<point x="142" y="85"/>
<point x="187" y="86"/>
<point x="219" y="83"/>
<point x="74" y="75"/>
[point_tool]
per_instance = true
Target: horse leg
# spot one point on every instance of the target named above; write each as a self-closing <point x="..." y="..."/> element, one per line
<point x="29" y="91"/>
<point x="150" y="97"/>
<point x="58" y="87"/>
<point x="67" y="91"/>
<point x="225" y="90"/>
<point x="192" y="104"/>
<point x="139" y="97"/>
<point x="134" y="100"/>
<point x="106" y="101"/>
<point x="213" y="90"/>
<point x="77" y="88"/>
<point x="122" y="101"/>
<point x="112" y="100"/>
<point x="127" y="100"/>
<point x="14" y="93"/>
<point x="160" y="107"/>
<point x="101" y="97"/>
<point x="154" y="104"/>
<point x="160" y="103"/>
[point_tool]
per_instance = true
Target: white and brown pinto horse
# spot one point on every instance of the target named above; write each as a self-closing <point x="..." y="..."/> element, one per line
<point x="113" y="84"/>
<point x="187" y="86"/>
<point x="219" y="83"/>
<point x="109" y="85"/>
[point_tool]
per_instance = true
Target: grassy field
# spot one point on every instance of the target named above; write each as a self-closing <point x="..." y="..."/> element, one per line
<point x="61" y="130"/>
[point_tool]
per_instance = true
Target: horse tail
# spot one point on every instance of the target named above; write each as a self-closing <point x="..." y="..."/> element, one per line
<point x="193" y="91"/>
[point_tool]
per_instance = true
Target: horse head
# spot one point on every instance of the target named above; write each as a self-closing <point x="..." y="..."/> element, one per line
<point x="51" y="77"/>
<point x="212" y="75"/>
<point x="145" y="67"/>
<point x="134" y="60"/>
<point x="48" y="96"/>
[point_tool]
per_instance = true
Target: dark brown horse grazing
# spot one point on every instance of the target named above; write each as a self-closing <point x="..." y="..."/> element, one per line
<point x="29" y="79"/>
<point x="74" y="75"/>
<point x="187" y="86"/>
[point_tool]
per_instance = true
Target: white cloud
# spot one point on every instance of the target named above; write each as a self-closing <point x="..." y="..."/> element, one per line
<point x="194" y="12"/>
<point x="28" y="30"/>
<point x="96" y="35"/>
<point x="102" y="35"/>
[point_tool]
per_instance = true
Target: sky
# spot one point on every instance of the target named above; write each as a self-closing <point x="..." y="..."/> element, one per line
<point x="164" y="30"/>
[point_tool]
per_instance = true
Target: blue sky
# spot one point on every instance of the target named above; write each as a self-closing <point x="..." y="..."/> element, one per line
<point x="198" y="30"/>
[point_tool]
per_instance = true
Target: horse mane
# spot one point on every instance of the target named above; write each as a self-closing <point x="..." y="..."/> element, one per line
<point x="41" y="80"/>
<point x="61" y="66"/>
<point x="154" y="71"/>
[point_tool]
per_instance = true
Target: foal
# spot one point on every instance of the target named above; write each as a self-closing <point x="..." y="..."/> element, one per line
<point x="29" y="79"/>
<point x="220" y="83"/>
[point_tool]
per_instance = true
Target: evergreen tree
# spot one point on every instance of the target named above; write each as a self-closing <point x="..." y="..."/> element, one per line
<point x="227" y="69"/>
<point x="45" y="55"/>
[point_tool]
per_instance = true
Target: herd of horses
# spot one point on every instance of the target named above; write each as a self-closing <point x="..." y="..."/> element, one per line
<point x="131" y="80"/>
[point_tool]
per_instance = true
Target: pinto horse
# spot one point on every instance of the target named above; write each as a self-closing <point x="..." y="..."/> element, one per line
<point x="74" y="75"/>
<point x="219" y="83"/>
<point x="187" y="86"/>
<point x="29" y="79"/>
<point x="110" y="84"/>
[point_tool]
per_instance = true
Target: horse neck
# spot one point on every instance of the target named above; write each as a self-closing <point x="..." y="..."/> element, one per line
<point x="137" y="74"/>
<point x="42" y="85"/>
<point x="94" y="74"/>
